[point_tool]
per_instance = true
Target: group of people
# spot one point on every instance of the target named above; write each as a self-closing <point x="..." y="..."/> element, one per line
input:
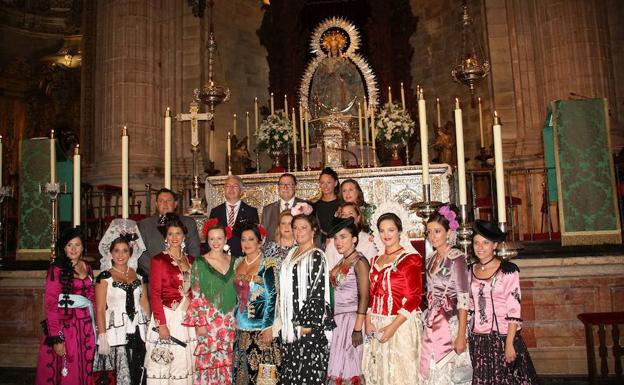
<point x="329" y="292"/>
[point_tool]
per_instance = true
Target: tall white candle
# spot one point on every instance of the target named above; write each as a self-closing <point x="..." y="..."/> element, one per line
<point x="461" y="164"/>
<point x="439" y="115"/>
<point x="301" y="133"/>
<point x="234" y="125"/>
<point x="366" y="122"/>
<point x="360" y="125"/>
<point x="52" y="157"/>
<point x="307" y="136"/>
<point x="286" y="105"/>
<point x="257" y="122"/>
<point x="124" y="173"/>
<point x="424" y="137"/>
<point x="389" y="94"/>
<point x="272" y="105"/>
<point x="229" y="145"/>
<point x="168" y="148"/>
<point x="481" y="123"/>
<point x="294" y="136"/>
<point x="211" y="149"/>
<point x="402" y="96"/>
<point x="76" y="194"/>
<point x="499" y="169"/>
<point x="248" y="133"/>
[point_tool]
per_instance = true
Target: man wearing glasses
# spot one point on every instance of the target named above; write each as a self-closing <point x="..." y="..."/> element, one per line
<point x="286" y="188"/>
<point x="234" y="211"/>
<point x="149" y="227"/>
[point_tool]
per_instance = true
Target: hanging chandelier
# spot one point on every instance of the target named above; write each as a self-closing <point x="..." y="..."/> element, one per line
<point x="471" y="64"/>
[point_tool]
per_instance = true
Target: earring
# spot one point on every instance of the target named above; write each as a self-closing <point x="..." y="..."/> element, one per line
<point x="183" y="245"/>
<point x="166" y="245"/>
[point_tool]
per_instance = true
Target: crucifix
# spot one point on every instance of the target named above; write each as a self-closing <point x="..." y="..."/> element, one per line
<point x="194" y="116"/>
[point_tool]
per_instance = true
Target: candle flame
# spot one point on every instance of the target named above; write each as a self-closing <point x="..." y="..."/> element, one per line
<point x="234" y="116"/>
<point x="77" y="149"/>
<point x="401" y="84"/>
<point x="247" y="113"/>
<point x="168" y="112"/>
<point x="421" y="94"/>
<point x="51" y="134"/>
<point x="457" y="103"/>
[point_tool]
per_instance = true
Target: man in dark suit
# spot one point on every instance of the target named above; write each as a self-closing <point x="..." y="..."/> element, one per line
<point x="286" y="188"/>
<point x="153" y="238"/>
<point x="234" y="211"/>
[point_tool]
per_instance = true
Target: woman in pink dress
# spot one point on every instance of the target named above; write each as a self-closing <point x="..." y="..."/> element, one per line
<point x="66" y="354"/>
<point x="444" y="359"/>
<point x="499" y="355"/>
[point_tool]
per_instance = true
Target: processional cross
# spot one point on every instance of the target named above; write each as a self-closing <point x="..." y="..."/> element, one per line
<point x="194" y="116"/>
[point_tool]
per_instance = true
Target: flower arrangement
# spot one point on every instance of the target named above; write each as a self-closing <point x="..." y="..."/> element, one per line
<point x="275" y="132"/>
<point x="394" y="125"/>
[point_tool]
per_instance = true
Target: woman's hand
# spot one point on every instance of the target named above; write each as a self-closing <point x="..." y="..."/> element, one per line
<point x="369" y="327"/>
<point x="388" y="331"/>
<point x="59" y="348"/>
<point x="163" y="332"/>
<point x="267" y="336"/>
<point x="103" y="346"/>
<point x="305" y="331"/>
<point x="357" y="338"/>
<point x="201" y="331"/>
<point x="460" y="344"/>
<point x="510" y="352"/>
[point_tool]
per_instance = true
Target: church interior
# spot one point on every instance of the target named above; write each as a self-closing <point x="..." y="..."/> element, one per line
<point x="513" y="110"/>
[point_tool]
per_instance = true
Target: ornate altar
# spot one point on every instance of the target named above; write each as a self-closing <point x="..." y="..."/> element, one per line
<point x="398" y="184"/>
<point x="335" y="82"/>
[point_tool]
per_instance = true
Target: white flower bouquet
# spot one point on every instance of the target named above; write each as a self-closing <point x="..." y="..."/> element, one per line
<point x="275" y="132"/>
<point x="394" y="125"/>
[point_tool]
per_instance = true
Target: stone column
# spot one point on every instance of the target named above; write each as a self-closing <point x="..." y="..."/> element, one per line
<point x="126" y="92"/>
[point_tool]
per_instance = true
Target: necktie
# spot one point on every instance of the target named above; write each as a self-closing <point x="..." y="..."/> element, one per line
<point x="231" y="217"/>
<point x="286" y="206"/>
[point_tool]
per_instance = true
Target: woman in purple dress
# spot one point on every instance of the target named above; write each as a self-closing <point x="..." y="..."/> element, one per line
<point x="66" y="355"/>
<point x="444" y="359"/>
<point x="350" y="281"/>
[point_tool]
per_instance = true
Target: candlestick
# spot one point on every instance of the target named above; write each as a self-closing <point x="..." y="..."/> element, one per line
<point x="301" y="136"/>
<point x="211" y="149"/>
<point x="76" y="191"/>
<point x="438" y="112"/>
<point x="294" y="138"/>
<point x="168" y="148"/>
<point x="500" y="175"/>
<point x="307" y="139"/>
<point x="52" y="157"/>
<point x="229" y="152"/>
<point x="389" y="95"/>
<point x="424" y="137"/>
<point x="234" y="125"/>
<point x="481" y="123"/>
<point x="124" y="172"/>
<point x="402" y="96"/>
<point x="256" y="115"/>
<point x="272" y="105"/>
<point x="286" y="105"/>
<point x="359" y="109"/>
<point x="374" y="136"/>
<point x="366" y="133"/>
<point x="459" y="141"/>
<point x="248" y="133"/>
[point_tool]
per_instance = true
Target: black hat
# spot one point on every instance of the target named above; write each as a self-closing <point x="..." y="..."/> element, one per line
<point x="489" y="230"/>
<point x="339" y="224"/>
<point x="67" y="236"/>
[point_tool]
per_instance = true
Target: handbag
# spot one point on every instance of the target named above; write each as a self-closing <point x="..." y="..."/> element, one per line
<point x="462" y="371"/>
<point x="161" y="354"/>
<point x="104" y="376"/>
<point x="267" y="370"/>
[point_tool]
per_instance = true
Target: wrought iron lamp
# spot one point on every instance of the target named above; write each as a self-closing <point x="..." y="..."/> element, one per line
<point x="471" y="64"/>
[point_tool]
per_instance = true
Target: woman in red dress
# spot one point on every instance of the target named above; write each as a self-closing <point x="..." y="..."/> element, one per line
<point x="170" y="344"/>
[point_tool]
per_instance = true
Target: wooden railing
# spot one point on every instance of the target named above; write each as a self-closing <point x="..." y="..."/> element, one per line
<point x="602" y="320"/>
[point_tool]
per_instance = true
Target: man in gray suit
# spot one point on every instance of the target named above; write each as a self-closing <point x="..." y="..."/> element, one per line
<point x="153" y="238"/>
<point x="286" y="187"/>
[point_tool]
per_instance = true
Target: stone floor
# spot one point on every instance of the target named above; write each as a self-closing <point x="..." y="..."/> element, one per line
<point x="26" y="376"/>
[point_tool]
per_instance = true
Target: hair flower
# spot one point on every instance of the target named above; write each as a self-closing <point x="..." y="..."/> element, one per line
<point x="450" y="216"/>
<point x="301" y="208"/>
<point x="262" y="231"/>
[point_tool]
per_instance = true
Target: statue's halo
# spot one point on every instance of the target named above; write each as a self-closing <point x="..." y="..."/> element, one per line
<point x="338" y="24"/>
